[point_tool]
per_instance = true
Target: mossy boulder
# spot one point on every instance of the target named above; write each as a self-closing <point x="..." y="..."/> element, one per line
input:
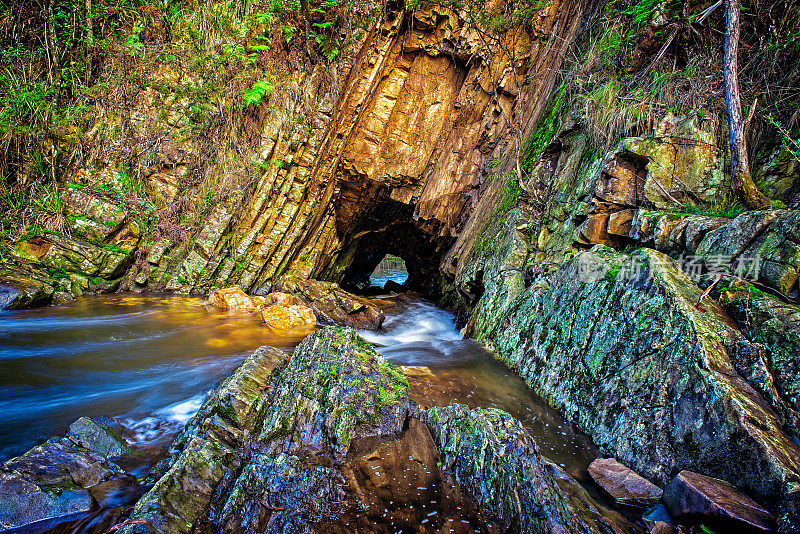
<point x="618" y="344"/>
<point x="495" y="459"/>
<point x="273" y="433"/>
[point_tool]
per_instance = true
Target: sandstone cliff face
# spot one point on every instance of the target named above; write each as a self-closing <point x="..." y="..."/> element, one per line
<point x="393" y="163"/>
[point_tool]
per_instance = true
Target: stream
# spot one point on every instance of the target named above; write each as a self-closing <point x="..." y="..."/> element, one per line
<point x="148" y="361"/>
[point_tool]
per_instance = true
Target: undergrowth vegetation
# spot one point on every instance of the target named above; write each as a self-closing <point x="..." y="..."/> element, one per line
<point x="642" y="59"/>
<point x="125" y="86"/>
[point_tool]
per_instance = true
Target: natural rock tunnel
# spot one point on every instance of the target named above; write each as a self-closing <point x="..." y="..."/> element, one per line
<point x="388" y="227"/>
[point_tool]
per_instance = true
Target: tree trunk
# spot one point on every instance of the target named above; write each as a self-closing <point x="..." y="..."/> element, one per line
<point x="52" y="46"/>
<point x="89" y="41"/>
<point x="741" y="180"/>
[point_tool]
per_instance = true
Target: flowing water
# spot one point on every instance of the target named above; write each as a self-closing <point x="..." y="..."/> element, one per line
<point x="149" y="360"/>
<point x="443" y="368"/>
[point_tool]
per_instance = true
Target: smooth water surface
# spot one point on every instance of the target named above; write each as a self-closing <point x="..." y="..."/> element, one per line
<point x="148" y="360"/>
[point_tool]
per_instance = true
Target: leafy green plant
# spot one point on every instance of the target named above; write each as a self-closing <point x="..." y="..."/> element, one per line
<point x="256" y="94"/>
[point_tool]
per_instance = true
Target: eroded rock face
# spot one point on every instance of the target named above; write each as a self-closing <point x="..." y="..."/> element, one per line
<point x="770" y="237"/>
<point x="775" y="325"/>
<point x="617" y="344"/>
<point x="499" y="464"/>
<point x="393" y="142"/>
<point x="19" y="291"/>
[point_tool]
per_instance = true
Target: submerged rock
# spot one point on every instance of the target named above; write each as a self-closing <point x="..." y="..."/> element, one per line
<point x="700" y="499"/>
<point x="624" y="485"/>
<point x="287" y="317"/>
<point x="499" y="464"/>
<point x="655" y="515"/>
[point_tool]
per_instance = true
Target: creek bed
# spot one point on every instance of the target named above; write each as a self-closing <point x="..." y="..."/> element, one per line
<point x="148" y="361"/>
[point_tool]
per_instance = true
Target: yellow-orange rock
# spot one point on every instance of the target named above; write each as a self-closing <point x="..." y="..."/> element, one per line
<point x="284" y="299"/>
<point x="233" y="298"/>
<point x="288" y="317"/>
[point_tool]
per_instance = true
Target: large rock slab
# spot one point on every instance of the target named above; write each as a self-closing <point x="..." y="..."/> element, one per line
<point x="691" y="497"/>
<point x="243" y="460"/>
<point x="181" y="497"/>
<point x="617" y="344"/>
<point x="25" y="503"/>
<point x="496" y="460"/>
<point x="624" y="485"/>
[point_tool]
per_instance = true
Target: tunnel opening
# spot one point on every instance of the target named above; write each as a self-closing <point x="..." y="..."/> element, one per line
<point x="387" y="228"/>
<point x="403" y="240"/>
<point x="390" y="273"/>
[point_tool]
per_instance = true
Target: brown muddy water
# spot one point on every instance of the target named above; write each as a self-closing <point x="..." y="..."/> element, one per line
<point x="148" y="362"/>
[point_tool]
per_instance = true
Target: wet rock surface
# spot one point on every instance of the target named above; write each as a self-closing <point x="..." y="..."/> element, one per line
<point x="19" y="291"/>
<point x="499" y="464"/>
<point x="776" y="326"/>
<point x="95" y="435"/>
<point x="624" y="485"/>
<point x="65" y="479"/>
<point x="617" y="343"/>
<point x="329" y="442"/>
<point x="699" y="499"/>
<point x="287" y="317"/>
<point x="334" y="304"/>
<point x="234" y="298"/>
